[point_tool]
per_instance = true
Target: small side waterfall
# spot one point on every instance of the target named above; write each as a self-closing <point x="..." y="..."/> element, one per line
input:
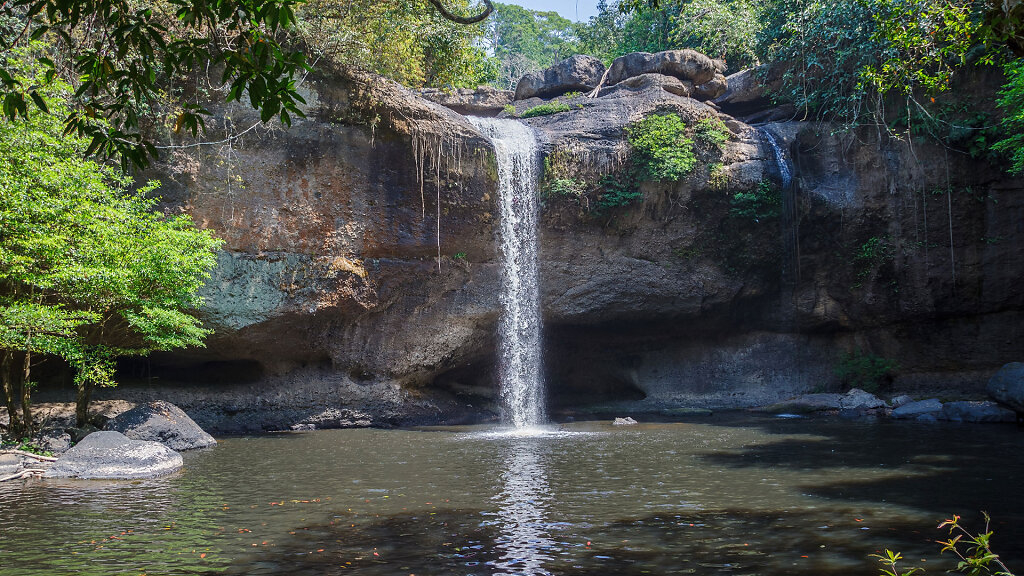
<point x="789" y="224"/>
<point x="522" y="385"/>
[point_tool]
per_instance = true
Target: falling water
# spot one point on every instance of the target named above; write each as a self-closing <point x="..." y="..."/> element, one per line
<point x="519" y="337"/>
<point x="789" y="224"/>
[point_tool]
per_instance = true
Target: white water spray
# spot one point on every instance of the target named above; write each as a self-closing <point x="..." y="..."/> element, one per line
<point x="522" y="386"/>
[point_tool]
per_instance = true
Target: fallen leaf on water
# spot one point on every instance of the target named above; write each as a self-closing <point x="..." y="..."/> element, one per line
<point x="203" y="555"/>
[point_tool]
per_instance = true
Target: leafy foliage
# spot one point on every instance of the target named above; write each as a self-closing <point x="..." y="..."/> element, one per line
<point x="720" y="29"/>
<point x="762" y="203"/>
<point x="618" y="190"/>
<point x="661" y="149"/>
<point x="525" y="40"/>
<point x="88" y="270"/>
<point x="712" y="131"/>
<point x="1012" y="101"/>
<point x="553" y="107"/>
<point x="864" y="370"/>
<point x="973" y="550"/>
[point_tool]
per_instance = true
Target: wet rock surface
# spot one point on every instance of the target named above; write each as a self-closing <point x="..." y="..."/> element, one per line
<point x="1007" y="386"/>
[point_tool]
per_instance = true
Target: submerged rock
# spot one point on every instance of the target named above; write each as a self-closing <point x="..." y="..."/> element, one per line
<point x="1007" y="386"/>
<point x="112" y="455"/>
<point x="161" y="422"/>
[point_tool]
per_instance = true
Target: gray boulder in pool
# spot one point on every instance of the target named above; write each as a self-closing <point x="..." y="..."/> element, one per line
<point x="112" y="455"/>
<point x="928" y="410"/>
<point x="162" y="422"/>
<point x="1007" y="386"/>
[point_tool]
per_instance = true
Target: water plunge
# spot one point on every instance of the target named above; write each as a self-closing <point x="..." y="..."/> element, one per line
<point x="519" y="334"/>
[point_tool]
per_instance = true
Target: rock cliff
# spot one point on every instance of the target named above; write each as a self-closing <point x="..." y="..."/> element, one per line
<point x="358" y="283"/>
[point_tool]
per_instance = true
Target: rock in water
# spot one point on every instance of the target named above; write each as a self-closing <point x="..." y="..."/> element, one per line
<point x="627" y="421"/>
<point x="113" y="455"/>
<point x="577" y="73"/>
<point x="920" y="410"/>
<point x="1007" y="386"/>
<point x="161" y="422"/>
<point x="976" y="412"/>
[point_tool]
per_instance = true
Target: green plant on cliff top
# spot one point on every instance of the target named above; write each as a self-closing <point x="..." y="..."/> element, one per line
<point x="1012" y="101"/>
<point x="661" y="150"/>
<point x="712" y="131"/>
<point x="545" y="109"/>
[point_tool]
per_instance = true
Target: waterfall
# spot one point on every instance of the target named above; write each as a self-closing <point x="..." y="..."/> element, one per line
<point x="522" y="386"/>
<point x="789" y="224"/>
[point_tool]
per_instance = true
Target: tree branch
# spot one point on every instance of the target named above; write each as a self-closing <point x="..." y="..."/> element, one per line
<point x="461" y="19"/>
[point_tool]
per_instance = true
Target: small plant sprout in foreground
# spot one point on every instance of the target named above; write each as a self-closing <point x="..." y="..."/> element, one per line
<point x="976" y="556"/>
<point x="973" y="550"/>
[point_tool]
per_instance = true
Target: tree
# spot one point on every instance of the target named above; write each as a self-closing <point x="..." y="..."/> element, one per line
<point x="524" y="40"/>
<point x="88" y="270"/>
<point x="122" y="57"/>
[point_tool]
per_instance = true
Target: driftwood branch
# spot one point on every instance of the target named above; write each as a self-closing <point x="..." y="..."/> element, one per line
<point x="488" y="8"/>
<point x="29" y="455"/>
<point x="24" y="474"/>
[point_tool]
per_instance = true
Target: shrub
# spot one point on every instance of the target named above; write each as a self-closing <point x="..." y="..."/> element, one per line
<point x="762" y="203"/>
<point x="866" y="371"/>
<point x="619" y="190"/>
<point x="662" y="152"/>
<point x="553" y="107"/>
<point x="712" y="131"/>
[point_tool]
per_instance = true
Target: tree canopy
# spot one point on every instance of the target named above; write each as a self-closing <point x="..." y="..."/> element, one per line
<point x="89" y="271"/>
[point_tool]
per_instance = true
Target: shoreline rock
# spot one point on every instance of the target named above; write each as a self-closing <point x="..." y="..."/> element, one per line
<point x="112" y="455"/>
<point x="163" y="422"/>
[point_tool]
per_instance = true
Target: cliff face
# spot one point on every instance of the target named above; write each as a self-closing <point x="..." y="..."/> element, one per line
<point x="359" y="279"/>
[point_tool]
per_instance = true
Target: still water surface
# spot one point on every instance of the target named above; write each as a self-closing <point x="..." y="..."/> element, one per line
<point x="731" y="494"/>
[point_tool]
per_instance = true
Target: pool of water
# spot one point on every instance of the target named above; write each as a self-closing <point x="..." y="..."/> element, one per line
<point x="730" y="494"/>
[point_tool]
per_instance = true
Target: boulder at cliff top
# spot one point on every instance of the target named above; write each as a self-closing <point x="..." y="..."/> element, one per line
<point x="1007" y="386"/>
<point x="484" y="101"/>
<point x="687" y="65"/>
<point x="574" y="74"/>
<point x="161" y="422"/>
<point x="115" y="456"/>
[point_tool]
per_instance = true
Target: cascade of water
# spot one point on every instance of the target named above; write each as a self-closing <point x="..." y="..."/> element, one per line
<point x="519" y="338"/>
<point x="789" y="224"/>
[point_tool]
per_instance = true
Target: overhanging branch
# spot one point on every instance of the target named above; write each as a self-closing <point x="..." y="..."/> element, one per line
<point x="462" y="19"/>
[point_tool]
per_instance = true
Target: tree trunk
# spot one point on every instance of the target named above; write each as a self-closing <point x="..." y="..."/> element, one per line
<point x="14" y="424"/>
<point x="82" y="404"/>
<point x="26" y="393"/>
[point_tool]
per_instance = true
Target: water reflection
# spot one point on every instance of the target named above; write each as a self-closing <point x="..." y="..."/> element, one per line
<point x="523" y="501"/>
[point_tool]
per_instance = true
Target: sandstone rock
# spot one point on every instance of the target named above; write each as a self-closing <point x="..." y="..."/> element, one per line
<point x="161" y="422"/>
<point x="749" y="91"/>
<point x="857" y="399"/>
<point x="627" y="421"/>
<point x="984" y="411"/>
<point x="669" y="84"/>
<point x="577" y="73"/>
<point x="686" y="65"/>
<point x="713" y="89"/>
<point x="915" y="410"/>
<point x="113" y="455"/>
<point x="484" y="101"/>
<point x="1007" y="386"/>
